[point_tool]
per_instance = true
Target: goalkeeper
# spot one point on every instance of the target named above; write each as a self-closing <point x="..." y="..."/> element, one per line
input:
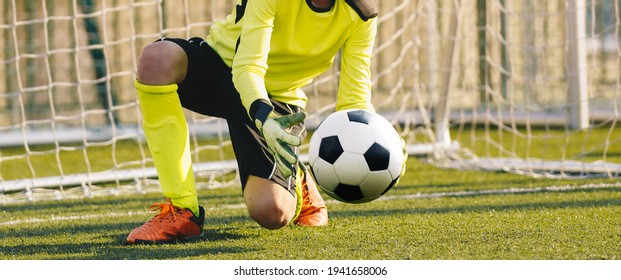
<point x="250" y="70"/>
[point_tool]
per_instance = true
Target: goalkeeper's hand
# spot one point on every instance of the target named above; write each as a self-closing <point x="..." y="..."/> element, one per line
<point x="274" y="130"/>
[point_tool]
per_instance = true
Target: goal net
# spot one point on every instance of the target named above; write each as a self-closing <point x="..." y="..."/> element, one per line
<point x="531" y="87"/>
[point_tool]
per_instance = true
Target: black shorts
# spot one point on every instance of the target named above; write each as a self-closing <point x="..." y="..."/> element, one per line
<point x="208" y="90"/>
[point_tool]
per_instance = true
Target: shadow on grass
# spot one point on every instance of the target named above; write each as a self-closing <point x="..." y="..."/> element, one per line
<point x="476" y="208"/>
<point x="108" y="242"/>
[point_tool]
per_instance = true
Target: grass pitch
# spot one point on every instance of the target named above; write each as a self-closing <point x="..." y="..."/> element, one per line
<point x="433" y="214"/>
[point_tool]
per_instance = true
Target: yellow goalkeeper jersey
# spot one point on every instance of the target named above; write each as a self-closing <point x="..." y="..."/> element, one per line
<point x="279" y="46"/>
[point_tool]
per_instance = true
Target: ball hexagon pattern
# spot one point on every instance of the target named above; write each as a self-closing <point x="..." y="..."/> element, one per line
<point x="355" y="155"/>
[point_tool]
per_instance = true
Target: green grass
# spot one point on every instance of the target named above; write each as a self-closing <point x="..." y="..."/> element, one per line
<point x="433" y="214"/>
<point x="601" y="143"/>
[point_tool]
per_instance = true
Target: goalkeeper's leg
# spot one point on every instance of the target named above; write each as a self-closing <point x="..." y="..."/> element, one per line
<point x="161" y="66"/>
<point x="273" y="206"/>
<point x="274" y="200"/>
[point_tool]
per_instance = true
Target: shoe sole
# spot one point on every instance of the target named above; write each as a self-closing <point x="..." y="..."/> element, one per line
<point x="169" y="241"/>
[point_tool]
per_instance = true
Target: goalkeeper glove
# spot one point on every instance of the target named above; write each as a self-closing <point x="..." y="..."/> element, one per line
<point x="274" y="131"/>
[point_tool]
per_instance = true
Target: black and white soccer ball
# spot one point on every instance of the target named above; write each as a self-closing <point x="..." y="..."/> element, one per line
<point x="355" y="155"/>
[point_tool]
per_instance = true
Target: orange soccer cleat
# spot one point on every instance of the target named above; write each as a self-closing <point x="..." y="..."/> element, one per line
<point x="169" y="225"/>
<point x="314" y="211"/>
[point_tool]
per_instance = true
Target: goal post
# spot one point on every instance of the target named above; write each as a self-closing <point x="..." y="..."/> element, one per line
<point x="577" y="91"/>
<point x="529" y="87"/>
<point x="449" y="61"/>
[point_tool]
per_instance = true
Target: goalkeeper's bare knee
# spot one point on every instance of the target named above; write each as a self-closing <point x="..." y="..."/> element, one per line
<point x="268" y="203"/>
<point x="162" y="63"/>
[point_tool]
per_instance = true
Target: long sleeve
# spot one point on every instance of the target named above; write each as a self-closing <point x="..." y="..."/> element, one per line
<point x="250" y="61"/>
<point x="355" y="80"/>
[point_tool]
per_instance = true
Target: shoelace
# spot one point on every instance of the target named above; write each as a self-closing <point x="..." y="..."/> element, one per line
<point x="164" y="208"/>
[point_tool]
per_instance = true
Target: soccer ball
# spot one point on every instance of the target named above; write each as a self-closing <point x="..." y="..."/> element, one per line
<point x="355" y="156"/>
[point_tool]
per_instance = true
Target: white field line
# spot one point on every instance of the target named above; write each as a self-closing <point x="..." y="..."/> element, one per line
<point x="55" y="218"/>
<point x="505" y="191"/>
<point x="565" y="188"/>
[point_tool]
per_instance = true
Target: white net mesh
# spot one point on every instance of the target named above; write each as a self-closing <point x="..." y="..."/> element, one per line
<point x="525" y="91"/>
<point x="472" y="84"/>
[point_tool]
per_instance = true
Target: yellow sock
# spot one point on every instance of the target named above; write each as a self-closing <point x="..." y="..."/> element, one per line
<point x="298" y="193"/>
<point x="166" y="130"/>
